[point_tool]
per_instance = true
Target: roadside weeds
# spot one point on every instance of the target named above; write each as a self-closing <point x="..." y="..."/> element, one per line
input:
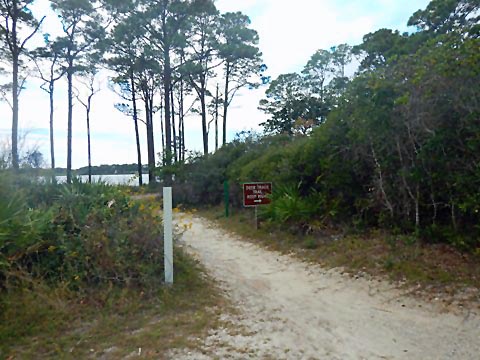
<point x="113" y="323"/>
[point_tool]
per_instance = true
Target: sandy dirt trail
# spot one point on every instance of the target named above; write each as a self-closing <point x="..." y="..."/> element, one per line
<point x="293" y="310"/>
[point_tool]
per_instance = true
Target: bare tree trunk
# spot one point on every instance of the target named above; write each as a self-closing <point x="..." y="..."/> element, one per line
<point x="137" y="136"/>
<point x="417" y="208"/>
<point x="380" y="182"/>
<point x="15" y="60"/>
<point x="52" y="145"/>
<point x="152" y="141"/>
<point x="167" y="80"/>
<point x="182" y="117"/>
<point x="204" y="122"/>
<point x="216" y="120"/>
<point x="174" y="131"/>
<point x="407" y="187"/>
<point x="453" y="216"/>
<point x="88" y="108"/>
<point x="163" y="133"/>
<point x="180" y="131"/>
<point x="435" y="206"/>
<point x="225" y="103"/>
<point x="88" y="140"/>
<point x="150" y="144"/>
<point x="13" y="17"/>
<point x="69" y="124"/>
<point x="168" y="125"/>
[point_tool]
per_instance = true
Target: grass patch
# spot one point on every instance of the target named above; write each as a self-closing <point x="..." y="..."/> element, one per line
<point x="44" y="322"/>
<point x="438" y="268"/>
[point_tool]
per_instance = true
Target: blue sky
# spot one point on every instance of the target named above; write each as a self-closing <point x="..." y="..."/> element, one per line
<point x="290" y="32"/>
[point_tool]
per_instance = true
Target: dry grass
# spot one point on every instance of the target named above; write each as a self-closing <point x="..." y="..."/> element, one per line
<point x="110" y="323"/>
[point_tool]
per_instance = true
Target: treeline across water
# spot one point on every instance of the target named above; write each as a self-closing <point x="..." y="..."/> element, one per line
<point x="123" y="169"/>
<point x="166" y="60"/>
<point x="396" y="147"/>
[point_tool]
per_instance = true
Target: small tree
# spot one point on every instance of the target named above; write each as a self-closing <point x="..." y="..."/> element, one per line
<point x="201" y="61"/>
<point x="51" y="53"/>
<point x="14" y="15"/>
<point x="164" y="21"/>
<point x="34" y="159"/>
<point x="285" y="103"/>
<point x="83" y="28"/>
<point x="89" y="79"/>
<point x="125" y="47"/>
<point x="238" y="47"/>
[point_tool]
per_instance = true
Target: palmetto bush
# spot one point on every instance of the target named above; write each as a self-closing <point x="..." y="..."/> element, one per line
<point x="78" y="235"/>
<point x="289" y="207"/>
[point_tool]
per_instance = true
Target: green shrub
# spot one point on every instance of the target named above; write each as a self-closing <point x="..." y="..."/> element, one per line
<point x="79" y="235"/>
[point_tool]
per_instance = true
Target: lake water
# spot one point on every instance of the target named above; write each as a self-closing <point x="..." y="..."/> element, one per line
<point x="117" y="179"/>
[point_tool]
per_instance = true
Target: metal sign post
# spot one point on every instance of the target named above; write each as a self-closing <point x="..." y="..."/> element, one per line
<point x="167" y="235"/>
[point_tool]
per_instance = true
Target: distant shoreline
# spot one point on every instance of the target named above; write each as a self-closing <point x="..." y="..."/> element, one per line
<point x="113" y="179"/>
<point x="114" y="169"/>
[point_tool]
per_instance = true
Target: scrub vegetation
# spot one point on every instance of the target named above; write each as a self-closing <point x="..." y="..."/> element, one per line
<point x="392" y="149"/>
<point x="81" y="268"/>
<point x="376" y="172"/>
<point x="166" y="59"/>
<point x="81" y="265"/>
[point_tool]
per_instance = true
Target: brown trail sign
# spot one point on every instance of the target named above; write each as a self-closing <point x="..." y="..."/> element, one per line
<point x="256" y="193"/>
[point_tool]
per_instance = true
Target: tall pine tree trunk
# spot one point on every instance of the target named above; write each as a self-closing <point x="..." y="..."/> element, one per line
<point x="52" y="145"/>
<point x="163" y="132"/>
<point x="15" y="159"/>
<point x="174" y="131"/>
<point x="225" y="103"/>
<point x="182" y="123"/>
<point x="69" y="123"/>
<point x="137" y="136"/>
<point x="150" y="145"/>
<point x="168" y="125"/>
<point x="181" y="127"/>
<point x="88" y="142"/>
<point x="167" y="81"/>
<point x="204" y="122"/>
<point x="216" y="120"/>
<point x="16" y="17"/>
<point x="183" y="138"/>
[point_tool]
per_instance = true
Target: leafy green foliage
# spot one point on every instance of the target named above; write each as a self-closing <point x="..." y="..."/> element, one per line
<point x="17" y="27"/>
<point x="399" y="146"/>
<point x="79" y="235"/>
<point x="289" y="206"/>
<point x="442" y="16"/>
<point x="297" y="103"/>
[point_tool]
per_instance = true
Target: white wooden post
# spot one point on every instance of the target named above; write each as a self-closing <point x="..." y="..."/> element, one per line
<point x="167" y="234"/>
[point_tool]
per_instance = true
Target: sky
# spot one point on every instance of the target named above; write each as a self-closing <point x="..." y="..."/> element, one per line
<point x="290" y="32"/>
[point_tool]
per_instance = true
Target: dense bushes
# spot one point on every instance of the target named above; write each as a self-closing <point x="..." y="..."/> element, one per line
<point x="79" y="235"/>
<point x="396" y="154"/>
<point x="399" y="148"/>
<point x="325" y="179"/>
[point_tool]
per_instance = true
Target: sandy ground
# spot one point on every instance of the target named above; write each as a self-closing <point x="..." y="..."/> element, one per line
<point x="293" y="310"/>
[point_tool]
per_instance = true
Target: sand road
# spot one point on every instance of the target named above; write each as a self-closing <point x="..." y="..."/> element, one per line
<point x="293" y="310"/>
